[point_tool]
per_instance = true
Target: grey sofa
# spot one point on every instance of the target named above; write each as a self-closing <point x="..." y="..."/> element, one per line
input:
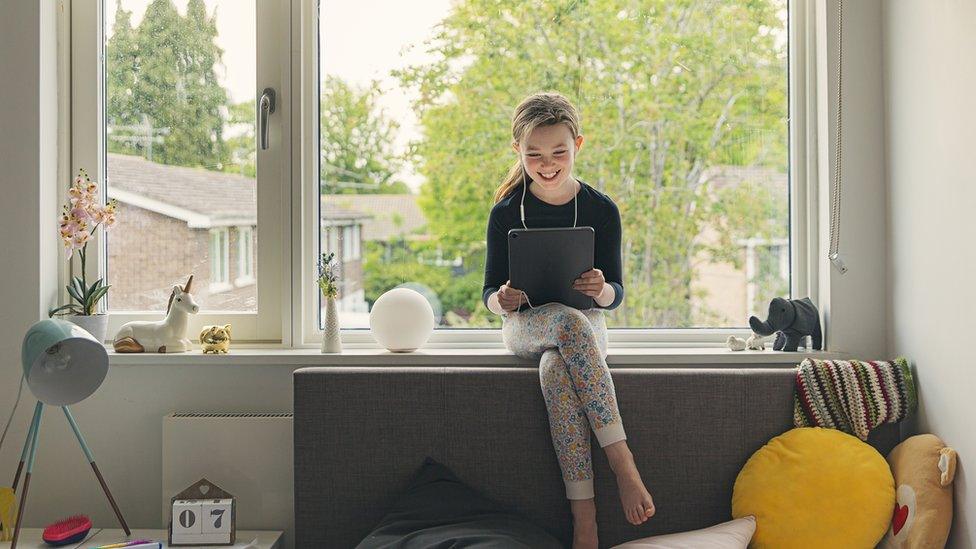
<point x="360" y="432"/>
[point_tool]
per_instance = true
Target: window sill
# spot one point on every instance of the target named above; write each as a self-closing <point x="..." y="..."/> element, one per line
<point x="623" y="357"/>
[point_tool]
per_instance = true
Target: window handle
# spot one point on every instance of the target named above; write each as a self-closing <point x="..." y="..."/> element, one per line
<point x="266" y="106"/>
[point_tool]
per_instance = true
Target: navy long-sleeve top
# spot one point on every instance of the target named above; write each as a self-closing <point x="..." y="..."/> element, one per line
<point x="595" y="209"/>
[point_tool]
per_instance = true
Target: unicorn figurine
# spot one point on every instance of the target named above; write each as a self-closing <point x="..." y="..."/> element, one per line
<point x="162" y="336"/>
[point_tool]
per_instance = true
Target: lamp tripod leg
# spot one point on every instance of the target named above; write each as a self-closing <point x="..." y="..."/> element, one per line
<point x="98" y="474"/>
<point x="32" y="437"/>
<point x="23" y="453"/>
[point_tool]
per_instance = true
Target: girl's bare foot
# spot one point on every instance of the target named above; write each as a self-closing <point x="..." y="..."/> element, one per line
<point x="637" y="503"/>
<point x="584" y="524"/>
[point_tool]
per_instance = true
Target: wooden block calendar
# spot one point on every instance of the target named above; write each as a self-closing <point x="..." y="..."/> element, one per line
<point x="203" y="514"/>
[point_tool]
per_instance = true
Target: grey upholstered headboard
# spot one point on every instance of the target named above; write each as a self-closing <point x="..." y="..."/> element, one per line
<point x="361" y="432"/>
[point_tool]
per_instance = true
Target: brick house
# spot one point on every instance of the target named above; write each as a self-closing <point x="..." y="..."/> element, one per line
<point x="380" y="218"/>
<point x="175" y="220"/>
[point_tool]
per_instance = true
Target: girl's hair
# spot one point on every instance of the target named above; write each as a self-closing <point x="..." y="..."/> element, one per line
<point x="539" y="109"/>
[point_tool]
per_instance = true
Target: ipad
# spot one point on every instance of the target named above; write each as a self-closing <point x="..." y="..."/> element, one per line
<point x="544" y="263"/>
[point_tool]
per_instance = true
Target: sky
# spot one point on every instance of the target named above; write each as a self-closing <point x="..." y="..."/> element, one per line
<point x="394" y="40"/>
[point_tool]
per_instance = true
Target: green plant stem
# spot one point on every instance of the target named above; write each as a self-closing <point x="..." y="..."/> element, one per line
<point x="84" y="282"/>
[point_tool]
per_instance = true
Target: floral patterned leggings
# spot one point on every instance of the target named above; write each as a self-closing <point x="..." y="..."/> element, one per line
<point x="571" y="346"/>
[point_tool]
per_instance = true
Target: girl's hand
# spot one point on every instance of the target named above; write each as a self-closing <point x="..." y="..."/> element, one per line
<point x="510" y="298"/>
<point x="590" y="283"/>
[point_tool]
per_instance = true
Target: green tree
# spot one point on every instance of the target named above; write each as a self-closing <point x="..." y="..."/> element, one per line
<point x="356" y="140"/>
<point x="164" y="101"/>
<point x="666" y="89"/>
<point x="242" y="148"/>
<point x="121" y="64"/>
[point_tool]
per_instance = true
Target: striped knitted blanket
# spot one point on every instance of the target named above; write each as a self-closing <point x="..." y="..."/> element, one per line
<point x="852" y="396"/>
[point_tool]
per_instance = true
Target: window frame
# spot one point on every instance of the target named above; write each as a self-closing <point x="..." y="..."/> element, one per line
<point x="289" y="295"/>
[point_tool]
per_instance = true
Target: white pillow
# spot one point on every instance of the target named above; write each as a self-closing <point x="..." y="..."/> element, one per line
<point x="734" y="534"/>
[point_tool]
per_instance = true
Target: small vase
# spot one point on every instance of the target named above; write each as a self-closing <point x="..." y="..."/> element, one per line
<point x="330" y="335"/>
<point x="96" y="325"/>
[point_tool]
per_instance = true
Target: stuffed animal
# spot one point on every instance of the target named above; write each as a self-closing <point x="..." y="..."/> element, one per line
<point x="755" y="343"/>
<point x="791" y="320"/>
<point x="923" y="468"/>
<point x="215" y="339"/>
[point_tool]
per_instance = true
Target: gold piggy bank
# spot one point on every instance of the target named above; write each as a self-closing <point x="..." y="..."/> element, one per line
<point x="215" y="339"/>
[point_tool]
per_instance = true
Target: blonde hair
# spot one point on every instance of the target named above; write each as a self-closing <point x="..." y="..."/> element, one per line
<point x="538" y="109"/>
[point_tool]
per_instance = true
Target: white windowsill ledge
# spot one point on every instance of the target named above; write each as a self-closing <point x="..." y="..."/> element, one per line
<point x="707" y="357"/>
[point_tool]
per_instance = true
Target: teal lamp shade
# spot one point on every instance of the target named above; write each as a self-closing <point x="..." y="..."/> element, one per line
<point x="63" y="363"/>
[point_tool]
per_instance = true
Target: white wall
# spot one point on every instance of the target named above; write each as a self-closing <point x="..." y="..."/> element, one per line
<point x="930" y="78"/>
<point x="854" y="303"/>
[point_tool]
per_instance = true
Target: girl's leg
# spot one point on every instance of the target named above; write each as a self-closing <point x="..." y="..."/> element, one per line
<point x="568" y="425"/>
<point x="527" y="334"/>
<point x="571" y="439"/>
<point x="570" y="331"/>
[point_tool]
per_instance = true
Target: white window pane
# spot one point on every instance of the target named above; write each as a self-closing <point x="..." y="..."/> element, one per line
<point x="179" y="115"/>
<point x="685" y="117"/>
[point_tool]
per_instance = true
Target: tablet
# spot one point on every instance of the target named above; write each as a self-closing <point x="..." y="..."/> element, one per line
<point x="544" y="263"/>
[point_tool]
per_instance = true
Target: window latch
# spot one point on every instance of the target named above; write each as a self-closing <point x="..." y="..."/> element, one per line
<point x="266" y="106"/>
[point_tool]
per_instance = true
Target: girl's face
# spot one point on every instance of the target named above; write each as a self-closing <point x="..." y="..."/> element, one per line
<point x="548" y="155"/>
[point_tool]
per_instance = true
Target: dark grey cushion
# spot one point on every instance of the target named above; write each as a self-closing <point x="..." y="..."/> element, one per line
<point x="361" y="431"/>
<point x="437" y="509"/>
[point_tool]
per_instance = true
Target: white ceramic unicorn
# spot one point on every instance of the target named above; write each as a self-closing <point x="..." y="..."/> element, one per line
<point x="162" y="336"/>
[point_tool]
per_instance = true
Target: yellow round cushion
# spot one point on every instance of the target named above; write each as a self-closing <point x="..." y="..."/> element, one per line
<point x="815" y="487"/>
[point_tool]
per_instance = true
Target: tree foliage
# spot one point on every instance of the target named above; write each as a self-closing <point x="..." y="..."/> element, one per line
<point x="356" y="138"/>
<point x="666" y="89"/>
<point x="164" y="101"/>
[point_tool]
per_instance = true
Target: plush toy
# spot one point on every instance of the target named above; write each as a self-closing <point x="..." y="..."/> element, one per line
<point x="215" y="339"/>
<point x="791" y="320"/>
<point x="923" y="468"/>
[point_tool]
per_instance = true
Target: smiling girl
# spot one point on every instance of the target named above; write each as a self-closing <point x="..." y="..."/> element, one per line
<point x="571" y="345"/>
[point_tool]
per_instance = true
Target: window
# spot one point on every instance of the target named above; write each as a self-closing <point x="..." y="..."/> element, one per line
<point x="245" y="256"/>
<point x="165" y="114"/>
<point x="685" y="112"/>
<point x="685" y="109"/>
<point x="219" y="259"/>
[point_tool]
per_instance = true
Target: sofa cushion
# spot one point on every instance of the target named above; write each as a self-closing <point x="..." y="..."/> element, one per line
<point x="438" y="508"/>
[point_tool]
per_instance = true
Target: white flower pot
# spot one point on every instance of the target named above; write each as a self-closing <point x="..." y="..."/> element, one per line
<point x="331" y="343"/>
<point x="96" y="325"/>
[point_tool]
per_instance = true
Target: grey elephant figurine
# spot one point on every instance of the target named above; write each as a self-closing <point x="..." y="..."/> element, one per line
<point x="790" y="320"/>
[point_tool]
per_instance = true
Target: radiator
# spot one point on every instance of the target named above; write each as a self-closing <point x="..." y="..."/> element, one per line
<point x="248" y="455"/>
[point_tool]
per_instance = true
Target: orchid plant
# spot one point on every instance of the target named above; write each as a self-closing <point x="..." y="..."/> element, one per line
<point x="328" y="274"/>
<point x="80" y="219"/>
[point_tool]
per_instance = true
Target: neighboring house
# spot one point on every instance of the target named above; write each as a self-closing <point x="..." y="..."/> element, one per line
<point x="381" y="218"/>
<point x="730" y="293"/>
<point x="391" y="216"/>
<point x="175" y="221"/>
<point x="394" y="217"/>
<point x="342" y="232"/>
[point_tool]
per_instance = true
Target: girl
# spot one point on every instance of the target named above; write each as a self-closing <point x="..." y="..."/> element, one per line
<point x="571" y="345"/>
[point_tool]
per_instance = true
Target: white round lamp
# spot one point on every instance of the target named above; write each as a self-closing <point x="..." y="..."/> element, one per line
<point x="401" y="320"/>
